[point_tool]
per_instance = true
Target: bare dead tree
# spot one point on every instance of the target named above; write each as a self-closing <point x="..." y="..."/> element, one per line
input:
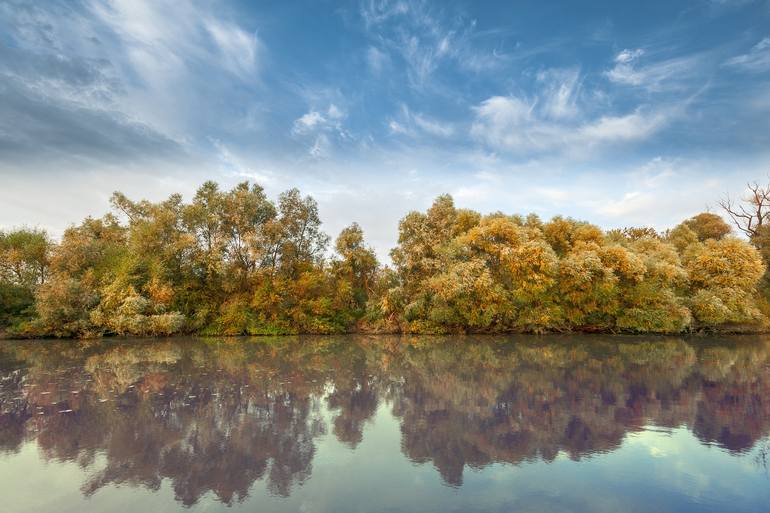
<point x="752" y="211"/>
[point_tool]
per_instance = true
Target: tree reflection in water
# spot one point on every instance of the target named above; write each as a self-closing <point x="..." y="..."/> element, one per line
<point x="216" y="415"/>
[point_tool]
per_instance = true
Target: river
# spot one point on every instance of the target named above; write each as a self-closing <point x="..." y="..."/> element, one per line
<point x="386" y="424"/>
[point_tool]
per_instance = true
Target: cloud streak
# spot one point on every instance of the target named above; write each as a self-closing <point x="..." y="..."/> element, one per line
<point x="756" y="60"/>
<point x="424" y="39"/>
<point x="114" y="81"/>
<point x="630" y="69"/>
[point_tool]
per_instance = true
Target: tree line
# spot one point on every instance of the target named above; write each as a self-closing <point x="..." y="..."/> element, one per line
<point x="233" y="262"/>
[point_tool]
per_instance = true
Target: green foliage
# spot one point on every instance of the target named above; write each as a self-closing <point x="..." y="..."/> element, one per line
<point x="357" y="267"/>
<point x="501" y="273"/>
<point x="232" y="262"/>
<point x="24" y="263"/>
<point x="229" y="262"/>
<point x="724" y="275"/>
<point x="24" y="257"/>
<point x="15" y="301"/>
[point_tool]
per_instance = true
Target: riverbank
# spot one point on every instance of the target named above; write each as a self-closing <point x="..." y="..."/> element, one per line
<point x="737" y="329"/>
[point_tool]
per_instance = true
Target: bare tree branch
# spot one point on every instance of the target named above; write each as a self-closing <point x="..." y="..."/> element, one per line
<point x="752" y="212"/>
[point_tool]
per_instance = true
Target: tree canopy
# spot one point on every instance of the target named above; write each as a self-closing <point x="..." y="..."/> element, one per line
<point x="234" y="262"/>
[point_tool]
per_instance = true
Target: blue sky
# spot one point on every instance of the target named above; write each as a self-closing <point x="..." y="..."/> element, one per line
<point x="615" y="113"/>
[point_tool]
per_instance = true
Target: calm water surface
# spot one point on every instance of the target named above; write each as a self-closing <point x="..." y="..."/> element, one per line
<point x="371" y="424"/>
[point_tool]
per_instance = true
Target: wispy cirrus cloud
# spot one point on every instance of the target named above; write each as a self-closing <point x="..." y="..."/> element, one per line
<point x="178" y="35"/>
<point x="417" y="124"/>
<point x="57" y="109"/>
<point x="163" y="49"/>
<point x="424" y="39"/>
<point x="756" y="60"/>
<point x="232" y="164"/>
<point x="377" y="60"/>
<point x="116" y="80"/>
<point x="559" y="92"/>
<point x="635" y="67"/>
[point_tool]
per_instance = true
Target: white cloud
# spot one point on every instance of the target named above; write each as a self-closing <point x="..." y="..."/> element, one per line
<point x="517" y="125"/>
<point x="473" y="192"/>
<point x="498" y="119"/>
<point x="397" y="128"/>
<point x="626" y="56"/>
<point x="630" y="127"/>
<point x="175" y="34"/>
<point x="238" y="49"/>
<point x="654" y="76"/>
<point x="559" y="91"/>
<point x="425" y="39"/>
<point x="234" y="165"/>
<point x="756" y="60"/>
<point x="378" y="11"/>
<point x="334" y="112"/>
<point x="320" y="148"/>
<point x="416" y="124"/>
<point x="314" y="120"/>
<point x="656" y="172"/>
<point x="160" y="49"/>
<point x="549" y="120"/>
<point x="318" y="127"/>
<point x="377" y="60"/>
<point x="651" y="193"/>
<point x="631" y="203"/>
<point x="731" y="3"/>
<point x="433" y="127"/>
<point x="308" y="121"/>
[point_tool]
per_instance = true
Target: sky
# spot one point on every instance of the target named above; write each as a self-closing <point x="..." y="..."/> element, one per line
<point x="618" y="113"/>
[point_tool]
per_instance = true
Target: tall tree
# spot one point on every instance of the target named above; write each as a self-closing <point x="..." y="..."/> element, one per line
<point x="751" y="212"/>
<point x="298" y="239"/>
<point x="24" y="265"/>
<point x="24" y="257"/>
<point x="357" y="264"/>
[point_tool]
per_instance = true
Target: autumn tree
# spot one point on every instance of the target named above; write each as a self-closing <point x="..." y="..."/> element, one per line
<point x="81" y="265"/>
<point x="356" y="266"/>
<point x="750" y="213"/>
<point x="708" y="225"/>
<point x="24" y="264"/>
<point x="500" y="273"/>
<point x="233" y="262"/>
<point x="24" y="257"/>
<point x="653" y="288"/>
<point x="724" y="275"/>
